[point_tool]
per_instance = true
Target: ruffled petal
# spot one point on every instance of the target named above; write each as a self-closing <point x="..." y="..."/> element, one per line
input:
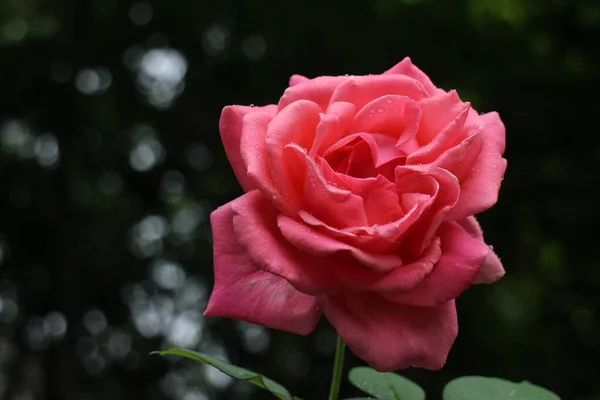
<point x="492" y="269"/>
<point x="389" y="336"/>
<point x="442" y="191"/>
<point x="338" y="207"/>
<point x="244" y="292"/>
<point x="296" y="124"/>
<point x="314" y="242"/>
<point x="443" y="141"/>
<point x="253" y="148"/>
<point x="317" y="90"/>
<point x="230" y="126"/>
<point x="406" y="67"/>
<point x="461" y="261"/>
<point x="437" y="113"/>
<point x="255" y="227"/>
<point x="480" y="184"/>
<point x="393" y="115"/>
<point x="332" y="127"/>
<point x="297" y="79"/>
<point x="361" y="90"/>
<point x="380" y="198"/>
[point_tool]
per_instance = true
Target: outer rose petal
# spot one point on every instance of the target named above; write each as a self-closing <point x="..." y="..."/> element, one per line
<point x="361" y="90"/>
<point x="442" y="122"/>
<point x="317" y="90"/>
<point x="297" y="124"/>
<point x="390" y="336"/>
<point x="247" y="293"/>
<point x="461" y="261"/>
<point x="492" y="269"/>
<point x="479" y="187"/>
<point x="297" y="79"/>
<point x="406" y="67"/>
<point x="253" y="150"/>
<point x="255" y="227"/>
<point x="230" y="127"/>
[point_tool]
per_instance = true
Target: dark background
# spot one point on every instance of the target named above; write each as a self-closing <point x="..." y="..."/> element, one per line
<point x="112" y="162"/>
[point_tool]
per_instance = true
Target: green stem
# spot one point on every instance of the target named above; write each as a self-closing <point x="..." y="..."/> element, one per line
<point x="338" y="365"/>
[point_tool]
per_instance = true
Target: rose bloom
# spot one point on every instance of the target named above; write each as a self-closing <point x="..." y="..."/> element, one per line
<point x="359" y="199"/>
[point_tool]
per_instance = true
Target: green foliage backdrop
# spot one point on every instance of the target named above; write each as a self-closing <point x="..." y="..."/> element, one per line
<point x="111" y="163"/>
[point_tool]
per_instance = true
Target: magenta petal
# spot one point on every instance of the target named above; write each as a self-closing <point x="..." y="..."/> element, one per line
<point x="230" y="127"/>
<point x="461" y="261"/>
<point x="406" y="67"/>
<point x="390" y="336"/>
<point x="244" y="292"/>
<point x="492" y="269"/>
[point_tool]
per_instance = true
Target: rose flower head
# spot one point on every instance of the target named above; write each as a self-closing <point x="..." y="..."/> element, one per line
<point x="360" y="196"/>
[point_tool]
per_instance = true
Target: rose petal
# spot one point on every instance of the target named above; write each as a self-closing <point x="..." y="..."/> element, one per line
<point x="437" y="113"/>
<point x="410" y="275"/>
<point x="461" y="260"/>
<point x="247" y="293"/>
<point x="337" y="207"/>
<point x="296" y="124"/>
<point x="382" y="147"/>
<point x="480" y="185"/>
<point x="230" y="126"/>
<point x="332" y="127"/>
<point x="297" y="79"/>
<point x="492" y="269"/>
<point x="390" y="336"/>
<point x="317" y="90"/>
<point x="254" y="149"/>
<point x="316" y="243"/>
<point x="443" y="141"/>
<point x="392" y="115"/>
<point x="361" y="90"/>
<point x="442" y="190"/>
<point x="380" y="198"/>
<point x="255" y="227"/>
<point x="406" y="67"/>
<point x="365" y="238"/>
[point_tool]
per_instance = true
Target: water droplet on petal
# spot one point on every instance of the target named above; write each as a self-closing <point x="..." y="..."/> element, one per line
<point x="380" y="110"/>
<point x="388" y="100"/>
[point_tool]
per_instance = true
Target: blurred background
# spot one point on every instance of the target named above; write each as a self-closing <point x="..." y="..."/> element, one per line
<point x="112" y="163"/>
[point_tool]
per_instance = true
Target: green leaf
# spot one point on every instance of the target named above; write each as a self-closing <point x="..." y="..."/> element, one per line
<point x="385" y="386"/>
<point x="233" y="371"/>
<point x="482" y="388"/>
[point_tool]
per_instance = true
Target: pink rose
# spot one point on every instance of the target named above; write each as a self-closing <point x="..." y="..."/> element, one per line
<point x="359" y="203"/>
